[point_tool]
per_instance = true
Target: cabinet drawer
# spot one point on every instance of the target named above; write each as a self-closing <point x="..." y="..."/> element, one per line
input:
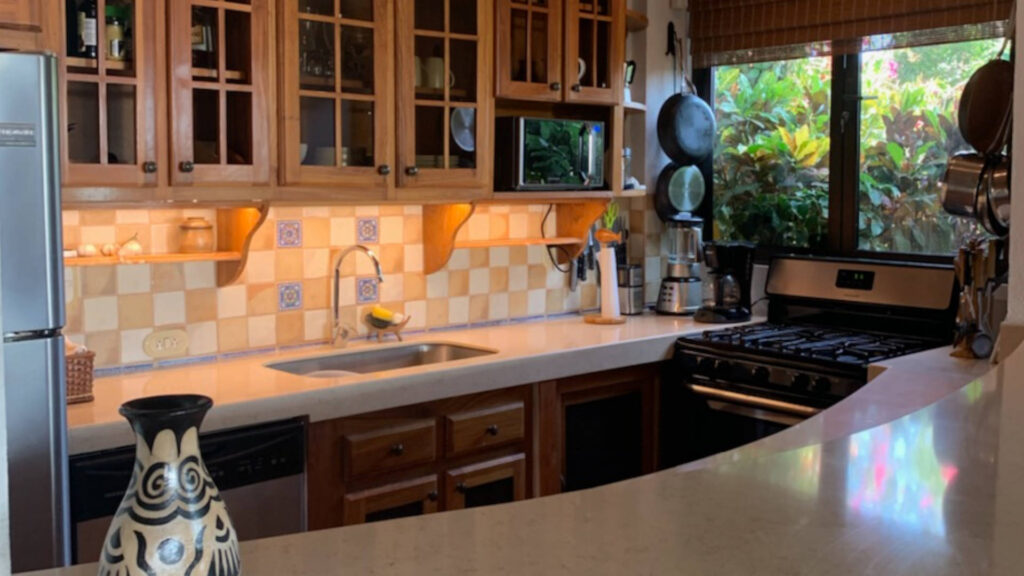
<point x="468" y="431"/>
<point x="392" y="447"/>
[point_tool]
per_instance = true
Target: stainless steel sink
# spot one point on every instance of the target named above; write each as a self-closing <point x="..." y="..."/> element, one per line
<point x="379" y="359"/>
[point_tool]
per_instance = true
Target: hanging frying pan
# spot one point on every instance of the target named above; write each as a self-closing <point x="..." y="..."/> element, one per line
<point x="680" y="190"/>
<point x="986" y="105"/>
<point x="686" y="128"/>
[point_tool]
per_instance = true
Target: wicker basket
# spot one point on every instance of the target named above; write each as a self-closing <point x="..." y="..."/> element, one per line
<point x="79" y="373"/>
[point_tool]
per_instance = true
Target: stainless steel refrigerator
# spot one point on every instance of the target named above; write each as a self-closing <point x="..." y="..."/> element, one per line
<point x="32" y="297"/>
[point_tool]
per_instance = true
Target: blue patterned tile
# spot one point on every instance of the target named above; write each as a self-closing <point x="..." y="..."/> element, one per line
<point x="366" y="290"/>
<point x="289" y="234"/>
<point x="367" y="230"/>
<point x="289" y="296"/>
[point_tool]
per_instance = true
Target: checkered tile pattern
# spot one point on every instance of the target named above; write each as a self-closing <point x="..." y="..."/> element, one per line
<point x="283" y="298"/>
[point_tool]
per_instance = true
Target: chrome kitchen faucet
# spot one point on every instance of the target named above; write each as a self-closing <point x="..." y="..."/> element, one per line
<point x="341" y="333"/>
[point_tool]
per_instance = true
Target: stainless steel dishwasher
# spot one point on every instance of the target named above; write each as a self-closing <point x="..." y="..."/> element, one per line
<point x="260" y="471"/>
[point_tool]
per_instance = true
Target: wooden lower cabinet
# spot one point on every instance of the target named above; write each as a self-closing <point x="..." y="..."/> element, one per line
<point x="493" y="482"/>
<point x="414" y="497"/>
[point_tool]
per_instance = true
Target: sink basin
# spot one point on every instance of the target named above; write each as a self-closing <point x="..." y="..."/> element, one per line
<point x="378" y="359"/>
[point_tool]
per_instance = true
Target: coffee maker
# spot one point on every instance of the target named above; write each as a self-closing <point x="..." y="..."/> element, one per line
<point x="726" y="290"/>
<point x="680" y="292"/>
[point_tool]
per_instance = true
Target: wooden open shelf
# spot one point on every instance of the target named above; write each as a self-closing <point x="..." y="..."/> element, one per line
<point x="442" y="222"/>
<point x="82" y="262"/>
<point x="93" y="64"/>
<point x="634" y="106"/>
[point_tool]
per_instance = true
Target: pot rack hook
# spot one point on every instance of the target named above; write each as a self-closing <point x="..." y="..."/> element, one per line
<point x="1011" y="29"/>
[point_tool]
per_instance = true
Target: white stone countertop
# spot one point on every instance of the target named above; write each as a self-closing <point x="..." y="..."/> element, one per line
<point x="919" y="472"/>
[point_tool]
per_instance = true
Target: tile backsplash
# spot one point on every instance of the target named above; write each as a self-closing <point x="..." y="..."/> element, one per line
<point x="283" y="297"/>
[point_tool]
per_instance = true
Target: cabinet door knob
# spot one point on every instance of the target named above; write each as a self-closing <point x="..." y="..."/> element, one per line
<point x="577" y="88"/>
<point x="412" y="170"/>
<point x="432" y="496"/>
<point x="149" y="167"/>
<point x="398" y="449"/>
<point x="384" y="170"/>
<point x="492" y="429"/>
<point x="556" y="86"/>
<point x="461" y="488"/>
<point x="186" y="167"/>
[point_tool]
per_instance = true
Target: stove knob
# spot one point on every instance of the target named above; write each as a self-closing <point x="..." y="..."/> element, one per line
<point x="822" y="385"/>
<point x="706" y="367"/>
<point x="801" y="382"/>
<point x="762" y="375"/>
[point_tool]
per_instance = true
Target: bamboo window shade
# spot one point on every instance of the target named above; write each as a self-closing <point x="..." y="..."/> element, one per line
<point x="732" y="31"/>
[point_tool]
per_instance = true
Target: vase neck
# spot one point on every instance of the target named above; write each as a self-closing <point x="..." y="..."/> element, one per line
<point x="177" y="414"/>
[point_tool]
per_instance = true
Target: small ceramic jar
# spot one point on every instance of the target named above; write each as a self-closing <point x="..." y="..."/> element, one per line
<point x="197" y="236"/>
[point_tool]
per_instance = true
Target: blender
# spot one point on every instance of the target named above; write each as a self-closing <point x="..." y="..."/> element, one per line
<point x="680" y="292"/>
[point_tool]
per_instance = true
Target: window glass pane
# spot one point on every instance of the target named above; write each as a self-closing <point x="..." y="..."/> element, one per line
<point x="771" y="164"/>
<point x="316" y="56"/>
<point x="317" y="141"/>
<point x="908" y="132"/>
<point x="430" y="134"/>
<point x="356" y="133"/>
<point x="83" y="123"/>
<point x="206" y="126"/>
<point x="120" y="124"/>
<point x="357" y="59"/>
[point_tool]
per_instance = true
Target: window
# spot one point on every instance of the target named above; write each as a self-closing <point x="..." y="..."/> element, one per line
<point x="777" y="172"/>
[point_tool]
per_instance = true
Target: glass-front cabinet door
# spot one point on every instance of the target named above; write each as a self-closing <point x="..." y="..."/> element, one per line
<point x="337" y="97"/>
<point x="445" y="106"/>
<point x="595" y="50"/>
<point x="108" y="82"/>
<point x="219" y="82"/>
<point x="528" y="56"/>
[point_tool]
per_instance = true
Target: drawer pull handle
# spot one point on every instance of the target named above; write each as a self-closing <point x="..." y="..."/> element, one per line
<point x="492" y="430"/>
<point x="398" y="449"/>
<point x="432" y="496"/>
<point x="461" y="488"/>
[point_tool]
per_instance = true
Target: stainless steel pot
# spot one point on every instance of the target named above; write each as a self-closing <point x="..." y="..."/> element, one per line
<point x="997" y="188"/>
<point x="961" y="183"/>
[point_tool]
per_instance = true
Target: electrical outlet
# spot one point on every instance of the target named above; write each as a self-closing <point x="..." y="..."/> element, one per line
<point x="166" y="344"/>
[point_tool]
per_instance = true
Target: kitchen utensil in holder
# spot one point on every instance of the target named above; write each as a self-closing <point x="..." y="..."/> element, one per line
<point x="395" y="329"/>
<point x="978" y="274"/>
<point x="610" y="312"/>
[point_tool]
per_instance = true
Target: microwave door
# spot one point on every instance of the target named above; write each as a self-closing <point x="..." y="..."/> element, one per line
<point x="582" y="156"/>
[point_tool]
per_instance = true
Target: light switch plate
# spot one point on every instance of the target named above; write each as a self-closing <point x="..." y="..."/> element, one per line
<point x="166" y="344"/>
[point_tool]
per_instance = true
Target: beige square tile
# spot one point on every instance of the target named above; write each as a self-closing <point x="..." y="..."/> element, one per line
<point x="264" y="238"/>
<point x="392" y="258"/>
<point x="201" y="305"/>
<point x="290" y="328"/>
<point x="536" y="302"/>
<point x="166" y="217"/>
<point x="362" y="211"/>
<point x="391" y="210"/>
<point x="99" y="281"/>
<point x="391" y="229"/>
<point x="437" y="285"/>
<point x="498" y="306"/>
<point x="135" y="311"/>
<point x="316" y="232"/>
<point x="232" y="334"/>
<point x="459" y="260"/>
<point x="348" y="266"/>
<point x="500" y="256"/>
<point x="479" y="227"/>
<point x="232" y="301"/>
<point x="200" y="275"/>
<point x="317" y="325"/>
<point x="555" y="301"/>
<point x="168" y="277"/>
<point x="517" y="304"/>
<point x="100" y="314"/>
<point x="479" y="281"/>
<point x="479" y="258"/>
<point x="343" y="232"/>
<point x="414" y="286"/>
<point x="262" y="331"/>
<point x="72" y="237"/>
<point x="202" y="338"/>
<point x="261" y="267"/>
<point x="343" y="211"/>
<point x="518" y="277"/>
<point x="168" y="308"/>
<point x="364" y="266"/>
<point x="517" y="256"/>
<point x="437" y="313"/>
<point x="133" y="279"/>
<point x="315" y="263"/>
<point x="478" y="308"/>
<point x="537" y="277"/>
<point x="316" y="293"/>
<point x="556" y="279"/>
<point x="537" y="255"/>
<point x="499" y="279"/>
<point x="347" y="290"/>
<point x="286" y="212"/>
<point x="413" y="230"/>
<point x="131" y="346"/>
<point x="413" y="257"/>
<point x="73" y="312"/>
<point x="140" y="232"/>
<point x="262" y="299"/>
<point x="98" y="217"/>
<point x="458" y="310"/>
<point x="107" y="346"/>
<point x="416" y="310"/>
<point x="588" y="295"/>
<point x="571" y="301"/>
<point x="499" y="225"/>
<point x="316" y="211"/>
<point x="70" y="217"/>
<point x="288" y="265"/>
<point x="393" y="288"/>
<point x="519" y="226"/>
<point x="412" y="210"/>
<point x="458" y="283"/>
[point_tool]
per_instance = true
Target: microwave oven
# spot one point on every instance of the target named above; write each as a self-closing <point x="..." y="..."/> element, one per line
<point x="539" y="154"/>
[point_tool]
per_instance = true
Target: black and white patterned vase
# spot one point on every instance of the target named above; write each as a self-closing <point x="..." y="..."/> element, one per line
<point x="172" y="520"/>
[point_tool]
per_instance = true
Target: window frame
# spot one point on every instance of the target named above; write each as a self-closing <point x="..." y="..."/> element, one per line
<point x="844" y="171"/>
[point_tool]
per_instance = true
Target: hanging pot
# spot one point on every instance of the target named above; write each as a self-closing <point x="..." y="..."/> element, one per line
<point x="680" y="190"/>
<point x="686" y="128"/>
<point x="961" y="184"/>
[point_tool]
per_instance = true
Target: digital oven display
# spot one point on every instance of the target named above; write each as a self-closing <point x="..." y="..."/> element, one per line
<point x="855" y="279"/>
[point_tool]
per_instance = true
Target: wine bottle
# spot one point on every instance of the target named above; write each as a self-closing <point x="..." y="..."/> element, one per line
<point x="88" y="40"/>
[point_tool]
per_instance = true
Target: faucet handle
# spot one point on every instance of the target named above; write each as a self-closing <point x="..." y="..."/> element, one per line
<point x="342" y="334"/>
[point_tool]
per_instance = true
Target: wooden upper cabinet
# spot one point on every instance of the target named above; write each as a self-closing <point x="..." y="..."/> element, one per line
<point x="20" y="15"/>
<point x="445" y="93"/>
<point x="337" y="92"/>
<point x="219" y="65"/>
<point x="595" y="50"/>
<point x="528" y="53"/>
<point x="109" y="89"/>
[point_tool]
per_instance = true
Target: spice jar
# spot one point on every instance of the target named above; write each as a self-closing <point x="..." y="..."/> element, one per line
<point x="115" y="39"/>
<point x="196" y="236"/>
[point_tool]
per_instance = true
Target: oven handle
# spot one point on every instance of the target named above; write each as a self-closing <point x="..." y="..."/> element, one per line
<point x="755" y="401"/>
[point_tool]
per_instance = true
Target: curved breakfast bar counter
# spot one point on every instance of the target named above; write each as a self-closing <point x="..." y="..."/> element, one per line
<point x="885" y="482"/>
